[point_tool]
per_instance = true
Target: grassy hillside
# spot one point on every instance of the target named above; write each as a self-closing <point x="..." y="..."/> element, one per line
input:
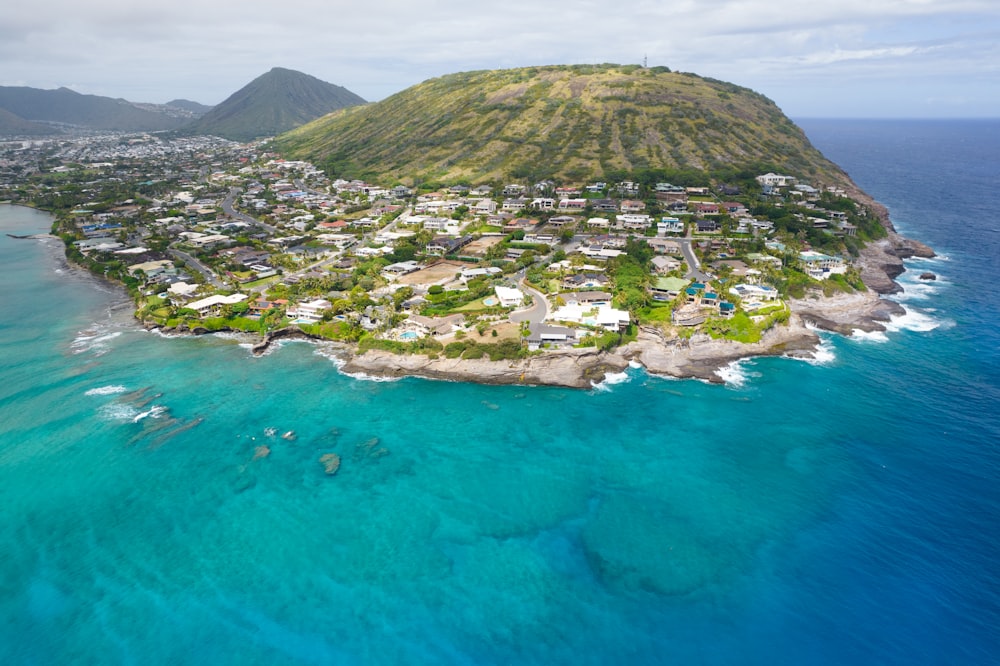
<point x="570" y="123"/>
<point x="272" y="103"/>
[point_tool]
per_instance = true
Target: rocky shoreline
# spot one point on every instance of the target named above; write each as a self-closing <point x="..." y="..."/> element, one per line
<point x="699" y="357"/>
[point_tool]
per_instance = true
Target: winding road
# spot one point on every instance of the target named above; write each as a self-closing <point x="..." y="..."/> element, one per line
<point x="538" y="311"/>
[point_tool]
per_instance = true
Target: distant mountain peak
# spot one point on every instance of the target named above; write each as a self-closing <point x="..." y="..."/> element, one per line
<point x="276" y="101"/>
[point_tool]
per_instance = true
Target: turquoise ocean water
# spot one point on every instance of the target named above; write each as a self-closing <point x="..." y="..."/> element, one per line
<point x="842" y="511"/>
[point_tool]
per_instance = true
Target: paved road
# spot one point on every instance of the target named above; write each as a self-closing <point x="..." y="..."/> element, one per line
<point x="205" y="271"/>
<point x="227" y="208"/>
<point x="694" y="266"/>
<point x="539" y="310"/>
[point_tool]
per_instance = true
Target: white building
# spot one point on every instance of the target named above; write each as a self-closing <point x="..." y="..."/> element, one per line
<point x="508" y="296"/>
<point x="776" y="180"/>
<point x="213" y="304"/>
<point x="311" y="311"/>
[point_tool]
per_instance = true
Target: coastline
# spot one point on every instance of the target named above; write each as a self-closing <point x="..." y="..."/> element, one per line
<point x="700" y="357"/>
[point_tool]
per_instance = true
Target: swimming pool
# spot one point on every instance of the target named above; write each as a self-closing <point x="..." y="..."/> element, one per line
<point x="408" y="335"/>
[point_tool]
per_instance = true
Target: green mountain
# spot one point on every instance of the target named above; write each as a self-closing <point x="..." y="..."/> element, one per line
<point x="91" y="111"/>
<point x="569" y="123"/>
<point x="273" y="103"/>
<point x="15" y="126"/>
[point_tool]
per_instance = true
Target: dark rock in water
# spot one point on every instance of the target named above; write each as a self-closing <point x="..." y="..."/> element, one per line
<point x="928" y="276"/>
<point x="907" y="247"/>
<point x="287" y="333"/>
<point x="330" y="462"/>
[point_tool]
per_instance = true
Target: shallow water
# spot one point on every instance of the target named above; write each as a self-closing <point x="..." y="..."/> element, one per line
<point x="834" y="511"/>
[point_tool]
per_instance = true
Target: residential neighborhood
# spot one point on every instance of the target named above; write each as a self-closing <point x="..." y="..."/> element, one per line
<point x="210" y="234"/>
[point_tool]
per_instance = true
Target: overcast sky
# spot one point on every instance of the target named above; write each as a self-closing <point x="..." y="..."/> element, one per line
<point x="814" y="58"/>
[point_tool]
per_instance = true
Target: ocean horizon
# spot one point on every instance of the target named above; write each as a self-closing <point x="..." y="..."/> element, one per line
<point x="837" y="510"/>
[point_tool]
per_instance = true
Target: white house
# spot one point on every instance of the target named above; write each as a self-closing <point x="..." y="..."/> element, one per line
<point x="473" y="273"/>
<point x="485" y="207"/>
<point x="508" y="296"/>
<point x="309" y="310"/>
<point x="821" y="266"/>
<point x="213" y="304"/>
<point x="776" y="180"/>
<point x="572" y="204"/>
<point x="669" y="225"/>
<point x="633" y="221"/>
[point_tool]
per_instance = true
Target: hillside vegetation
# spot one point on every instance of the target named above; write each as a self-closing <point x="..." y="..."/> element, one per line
<point x="569" y="123"/>
<point x="274" y="102"/>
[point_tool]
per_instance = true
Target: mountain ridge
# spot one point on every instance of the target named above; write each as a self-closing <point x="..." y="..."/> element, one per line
<point x="69" y="107"/>
<point x="567" y="122"/>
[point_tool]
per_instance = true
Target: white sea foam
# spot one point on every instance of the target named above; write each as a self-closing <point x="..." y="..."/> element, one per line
<point x="329" y="354"/>
<point x="824" y="354"/>
<point x="869" y="336"/>
<point x="917" y="320"/>
<point x="107" y="390"/>
<point x="369" y="378"/>
<point x="611" y="379"/>
<point x="238" y="336"/>
<point x="116" y="411"/>
<point x="163" y="334"/>
<point x="153" y="412"/>
<point x="917" y="291"/>
<point x="938" y="258"/>
<point x="91" y="341"/>
<point x="735" y="374"/>
<point x="635" y="365"/>
<point x="274" y="346"/>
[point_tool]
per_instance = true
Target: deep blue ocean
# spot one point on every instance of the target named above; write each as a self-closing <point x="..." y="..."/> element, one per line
<point x="844" y="511"/>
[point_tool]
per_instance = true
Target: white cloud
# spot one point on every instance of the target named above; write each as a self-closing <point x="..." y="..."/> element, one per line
<point x="207" y="50"/>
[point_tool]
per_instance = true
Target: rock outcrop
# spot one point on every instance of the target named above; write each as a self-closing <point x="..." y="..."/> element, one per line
<point x="574" y="368"/>
<point x="701" y="356"/>
<point x="330" y="462"/>
<point x="845" y="313"/>
<point x="287" y="333"/>
<point x="882" y="261"/>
